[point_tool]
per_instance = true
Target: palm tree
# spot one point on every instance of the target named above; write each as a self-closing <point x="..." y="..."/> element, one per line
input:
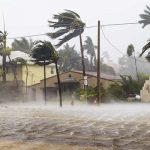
<point x="23" y="45"/>
<point x="69" y="25"/>
<point x="43" y="54"/>
<point x="89" y="46"/>
<point x="130" y="51"/>
<point x="3" y="36"/>
<point x="145" y="21"/>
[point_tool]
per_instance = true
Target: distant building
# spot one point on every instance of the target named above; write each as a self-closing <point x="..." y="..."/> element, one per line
<point x="70" y="81"/>
<point x="35" y="73"/>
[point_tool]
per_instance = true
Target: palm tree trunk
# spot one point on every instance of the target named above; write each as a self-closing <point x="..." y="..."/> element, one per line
<point x="44" y="82"/>
<point x="13" y="70"/>
<point x="59" y="86"/>
<point x="82" y="57"/>
<point x="4" y="69"/>
<point x="136" y="67"/>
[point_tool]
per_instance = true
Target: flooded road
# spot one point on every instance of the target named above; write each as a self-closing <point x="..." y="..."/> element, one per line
<point x="111" y="126"/>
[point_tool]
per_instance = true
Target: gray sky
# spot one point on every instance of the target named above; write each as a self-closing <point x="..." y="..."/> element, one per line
<point x="29" y="17"/>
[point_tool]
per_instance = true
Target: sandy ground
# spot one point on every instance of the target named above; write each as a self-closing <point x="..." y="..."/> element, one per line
<point x="16" y="145"/>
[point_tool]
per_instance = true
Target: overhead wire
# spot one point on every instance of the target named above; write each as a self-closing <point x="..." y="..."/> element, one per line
<point x="88" y="27"/>
<point x="117" y="48"/>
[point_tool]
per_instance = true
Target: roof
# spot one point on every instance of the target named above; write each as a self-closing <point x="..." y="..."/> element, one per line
<point x="102" y="75"/>
<point x="91" y="74"/>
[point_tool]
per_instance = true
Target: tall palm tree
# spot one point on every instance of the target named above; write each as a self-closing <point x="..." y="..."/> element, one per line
<point x="145" y="21"/>
<point x="23" y="45"/>
<point x="43" y="54"/>
<point x="130" y="51"/>
<point x="68" y="25"/>
<point x="3" y="36"/>
<point x="89" y="46"/>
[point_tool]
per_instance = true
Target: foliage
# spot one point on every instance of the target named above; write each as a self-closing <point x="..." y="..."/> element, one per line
<point x="126" y="87"/>
<point x="91" y="93"/>
<point x="69" y="59"/>
<point x="145" y="17"/>
<point x="69" y="25"/>
<point x="130" y="50"/>
<point x="23" y="45"/>
<point x="90" y="49"/>
<point x="107" y="69"/>
<point x="145" y="21"/>
<point x="42" y="53"/>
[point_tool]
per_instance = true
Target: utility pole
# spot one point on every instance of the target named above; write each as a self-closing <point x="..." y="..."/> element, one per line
<point x="44" y="82"/>
<point x="98" y="64"/>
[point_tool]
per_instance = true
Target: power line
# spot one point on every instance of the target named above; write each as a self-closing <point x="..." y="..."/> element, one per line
<point x="117" y="48"/>
<point x="88" y="27"/>
<point x="120" y="24"/>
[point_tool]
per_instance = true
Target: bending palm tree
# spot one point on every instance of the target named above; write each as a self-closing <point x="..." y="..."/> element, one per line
<point x="69" y="25"/>
<point x="145" y="21"/>
<point x="89" y="46"/>
<point x="23" y="45"/>
<point x="44" y="54"/>
<point x="3" y="48"/>
<point x="130" y="51"/>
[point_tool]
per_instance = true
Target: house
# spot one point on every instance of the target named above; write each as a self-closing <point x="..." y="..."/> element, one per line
<point x="70" y="81"/>
<point x="31" y="72"/>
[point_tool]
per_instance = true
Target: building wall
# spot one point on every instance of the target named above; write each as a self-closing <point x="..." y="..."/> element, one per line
<point x="36" y="73"/>
<point x="92" y="80"/>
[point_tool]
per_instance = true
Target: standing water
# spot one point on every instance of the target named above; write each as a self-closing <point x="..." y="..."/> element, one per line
<point x="111" y="126"/>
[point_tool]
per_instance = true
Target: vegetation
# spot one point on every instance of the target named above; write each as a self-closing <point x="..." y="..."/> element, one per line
<point x="23" y="45"/>
<point x="69" y="59"/>
<point x="126" y="87"/>
<point x="91" y="94"/>
<point x="90" y="49"/>
<point x="3" y="36"/>
<point x="69" y="25"/>
<point x="130" y="52"/>
<point x="43" y="54"/>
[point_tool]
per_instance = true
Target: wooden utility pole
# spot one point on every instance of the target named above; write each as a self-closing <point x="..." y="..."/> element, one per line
<point x="44" y="82"/>
<point x="98" y="64"/>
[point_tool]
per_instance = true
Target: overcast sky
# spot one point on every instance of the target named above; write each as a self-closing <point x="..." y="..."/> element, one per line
<point x="29" y="17"/>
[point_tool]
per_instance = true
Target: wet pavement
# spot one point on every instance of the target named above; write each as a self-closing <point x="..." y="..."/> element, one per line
<point x="120" y="126"/>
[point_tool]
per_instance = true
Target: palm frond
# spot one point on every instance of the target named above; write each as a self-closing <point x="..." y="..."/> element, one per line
<point x="145" y="17"/>
<point x="145" y="48"/>
<point x="73" y="13"/>
<point x="57" y="33"/>
<point x="69" y="36"/>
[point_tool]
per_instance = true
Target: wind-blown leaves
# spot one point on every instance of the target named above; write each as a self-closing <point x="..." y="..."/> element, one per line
<point x="130" y="50"/>
<point x="23" y="45"/>
<point x="145" y="17"/>
<point x="145" y="48"/>
<point x="69" y="25"/>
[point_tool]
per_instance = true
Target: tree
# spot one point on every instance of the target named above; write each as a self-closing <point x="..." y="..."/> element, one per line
<point x="69" y="25"/>
<point x="130" y="51"/>
<point x="90" y="48"/>
<point x="145" y="21"/>
<point x="23" y="45"/>
<point x="3" y="36"/>
<point x="43" y="54"/>
<point x="69" y="58"/>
